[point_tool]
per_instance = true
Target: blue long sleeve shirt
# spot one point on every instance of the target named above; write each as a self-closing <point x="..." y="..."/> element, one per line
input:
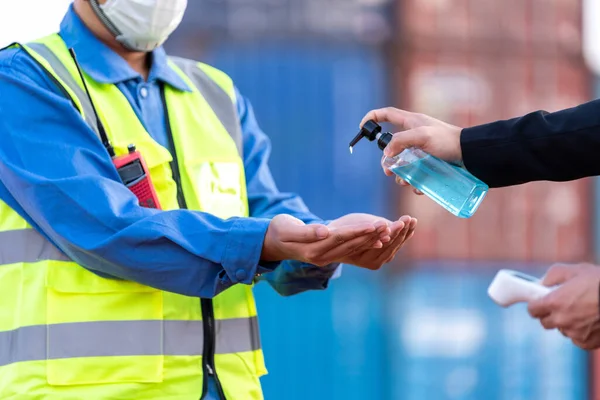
<point x="56" y="174"/>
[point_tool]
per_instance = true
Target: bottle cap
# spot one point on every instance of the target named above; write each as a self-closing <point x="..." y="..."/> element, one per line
<point x="371" y="130"/>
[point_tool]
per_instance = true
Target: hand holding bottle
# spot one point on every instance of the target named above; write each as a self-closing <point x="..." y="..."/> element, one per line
<point x="411" y="155"/>
<point x="433" y="136"/>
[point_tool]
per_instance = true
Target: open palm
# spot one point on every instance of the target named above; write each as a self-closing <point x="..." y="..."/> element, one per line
<point x="382" y="252"/>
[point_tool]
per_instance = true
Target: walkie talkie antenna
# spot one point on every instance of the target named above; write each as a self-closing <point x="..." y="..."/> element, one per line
<point x="101" y="130"/>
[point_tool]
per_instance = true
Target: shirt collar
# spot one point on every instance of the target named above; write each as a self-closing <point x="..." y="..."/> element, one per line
<point x="104" y="65"/>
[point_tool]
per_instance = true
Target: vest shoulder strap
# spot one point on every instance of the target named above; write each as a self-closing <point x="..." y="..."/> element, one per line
<point x="67" y="79"/>
<point x="218" y="90"/>
<point x="216" y="87"/>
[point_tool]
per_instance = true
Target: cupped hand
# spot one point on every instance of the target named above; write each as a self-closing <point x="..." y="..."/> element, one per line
<point x="289" y="238"/>
<point x="401" y="231"/>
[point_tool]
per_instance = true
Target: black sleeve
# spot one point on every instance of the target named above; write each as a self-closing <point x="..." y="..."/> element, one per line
<point x="560" y="146"/>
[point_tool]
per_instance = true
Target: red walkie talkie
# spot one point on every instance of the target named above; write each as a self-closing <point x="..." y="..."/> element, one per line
<point x="134" y="173"/>
<point x="131" y="167"/>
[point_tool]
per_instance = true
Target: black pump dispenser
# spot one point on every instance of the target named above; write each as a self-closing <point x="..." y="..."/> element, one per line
<point x="371" y="130"/>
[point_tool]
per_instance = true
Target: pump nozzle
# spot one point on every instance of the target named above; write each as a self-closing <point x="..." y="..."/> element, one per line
<point x="372" y="131"/>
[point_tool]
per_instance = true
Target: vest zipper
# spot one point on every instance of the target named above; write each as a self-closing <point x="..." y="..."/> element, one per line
<point x="206" y="305"/>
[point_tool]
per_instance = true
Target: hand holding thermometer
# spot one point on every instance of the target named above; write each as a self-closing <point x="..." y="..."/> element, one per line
<point x="511" y="287"/>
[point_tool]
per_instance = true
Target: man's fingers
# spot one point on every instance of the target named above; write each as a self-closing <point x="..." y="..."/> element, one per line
<point x="582" y="334"/>
<point x="351" y="241"/>
<point x="399" y="239"/>
<point x="592" y="343"/>
<point x="340" y="236"/>
<point x="417" y="137"/>
<point x="378" y="240"/>
<point x="539" y="308"/>
<point x="413" y="223"/>
<point x="388" y="172"/>
<point x="559" y="274"/>
<point x="342" y="250"/>
<point x="304" y="233"/>
<point x="401" y="181"/>
<point x="411" y="230"/>
<point x="399" y="225"/>
<point x="403" y="233"/>
<point x="389" y="114"/>
<point x="397" y="228"/>
<point x="382" y="227"/>
<point x="548" y="322"/>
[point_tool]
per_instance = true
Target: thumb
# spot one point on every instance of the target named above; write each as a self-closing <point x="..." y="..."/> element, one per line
<point x="417" y="137"/>
<point x="559" y="274"/>
<point x="294" y="233"/>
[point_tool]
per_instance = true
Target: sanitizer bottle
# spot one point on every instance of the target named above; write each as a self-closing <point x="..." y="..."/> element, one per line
<point x="451" y="186"/>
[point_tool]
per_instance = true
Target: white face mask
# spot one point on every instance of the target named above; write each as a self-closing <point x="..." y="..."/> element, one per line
<point x="141" y="25"/>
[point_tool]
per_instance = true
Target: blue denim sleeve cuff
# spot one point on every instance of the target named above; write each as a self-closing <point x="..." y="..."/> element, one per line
<point x="241" y="257"/>
<point x="294" y="277"/>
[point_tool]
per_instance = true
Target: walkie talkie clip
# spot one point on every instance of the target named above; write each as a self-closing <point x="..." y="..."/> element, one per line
<point x="131" y="167"/>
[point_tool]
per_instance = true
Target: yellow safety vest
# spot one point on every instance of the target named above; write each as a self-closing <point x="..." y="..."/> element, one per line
<point x="67" y="333"/>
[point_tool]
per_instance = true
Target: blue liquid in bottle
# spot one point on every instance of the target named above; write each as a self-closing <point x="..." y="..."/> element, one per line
<point x="450" y="186"/>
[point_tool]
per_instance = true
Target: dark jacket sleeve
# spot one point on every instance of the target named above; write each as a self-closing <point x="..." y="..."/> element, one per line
<point x="559" y="146"/>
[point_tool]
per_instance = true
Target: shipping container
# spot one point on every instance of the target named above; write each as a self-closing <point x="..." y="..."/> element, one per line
<point x="509" y="26"/>
<point x="539" y="221"/>
<point x="327" y="345"/>
<point x="340" y="21"/>
<point x="449" y="341"/>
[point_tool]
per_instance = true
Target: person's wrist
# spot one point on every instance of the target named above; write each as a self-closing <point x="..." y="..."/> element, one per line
<point x="458" y="132"/>
<point x="273" y="250"/>
<point x="270" y="252"/>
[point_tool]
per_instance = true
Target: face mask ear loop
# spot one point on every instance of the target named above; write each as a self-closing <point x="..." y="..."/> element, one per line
<point x="104" y="19"/>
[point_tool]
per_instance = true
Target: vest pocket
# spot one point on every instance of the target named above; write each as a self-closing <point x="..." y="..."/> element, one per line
<point x="218" y="187"/>
<point x="238" y="376"/>
<point x="101" y="330"/>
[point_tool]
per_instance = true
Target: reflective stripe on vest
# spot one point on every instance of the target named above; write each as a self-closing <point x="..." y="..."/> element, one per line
<point x="67" y="78"/>
<point x="219" y="101"/>
<point x="216" y="97"/>
<point x="124" y="338"/>
<point x="27" y="246"/>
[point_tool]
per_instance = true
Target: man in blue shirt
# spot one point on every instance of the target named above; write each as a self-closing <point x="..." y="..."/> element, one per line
<point x="51" y="160"/>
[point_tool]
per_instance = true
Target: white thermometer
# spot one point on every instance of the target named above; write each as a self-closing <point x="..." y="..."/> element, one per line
<point x="511" y="287"/>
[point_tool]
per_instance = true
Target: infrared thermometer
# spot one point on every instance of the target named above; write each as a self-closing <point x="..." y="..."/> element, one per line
<point x="511" y="287"/>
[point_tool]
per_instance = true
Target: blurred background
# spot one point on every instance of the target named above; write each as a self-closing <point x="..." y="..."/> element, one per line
<point x="422" y="328"/>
